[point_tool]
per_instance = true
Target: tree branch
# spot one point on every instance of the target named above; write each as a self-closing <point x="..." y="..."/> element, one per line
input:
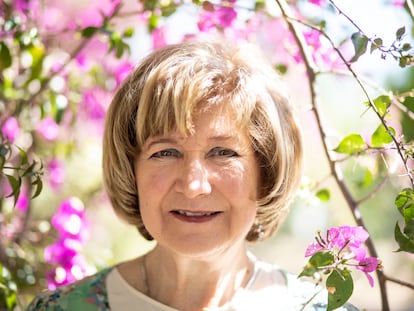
<point x="311" y="71"/>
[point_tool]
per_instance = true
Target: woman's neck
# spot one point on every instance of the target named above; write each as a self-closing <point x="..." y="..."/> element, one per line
<point x="187" y="283"/>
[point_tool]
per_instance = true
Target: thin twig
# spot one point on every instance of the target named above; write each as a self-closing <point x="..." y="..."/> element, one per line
<point x="373" y="192"/>
<point x="400" y="282"/>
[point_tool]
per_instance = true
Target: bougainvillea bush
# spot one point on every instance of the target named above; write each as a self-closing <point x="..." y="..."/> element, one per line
<point x="61" y="61"/>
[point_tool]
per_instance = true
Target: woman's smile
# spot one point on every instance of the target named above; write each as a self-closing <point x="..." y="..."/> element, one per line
<point x="195" y="216"/>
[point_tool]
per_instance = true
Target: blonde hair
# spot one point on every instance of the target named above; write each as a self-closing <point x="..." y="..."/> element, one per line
<point x="163" y="93"/>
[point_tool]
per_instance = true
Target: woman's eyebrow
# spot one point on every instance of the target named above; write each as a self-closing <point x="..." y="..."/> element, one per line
<point x="222" y="138"/>
<point x="161" y="140"/>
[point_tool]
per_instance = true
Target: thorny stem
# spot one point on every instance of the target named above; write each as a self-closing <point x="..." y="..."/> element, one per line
<point x="311" y="72"/>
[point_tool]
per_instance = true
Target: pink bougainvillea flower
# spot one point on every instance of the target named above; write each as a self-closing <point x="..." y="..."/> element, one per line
<point x="94" y="104"/>
<point x="48" y="129"/>
<point x="70" y="265"/>
<point x="367" y="265"/>
<point x="318" y="2"/>
<point x="222" y="17"/>
<point x="159" y="38"/>
<point x="71" y="225"/>
<point x="346" y="244"/>
<point x="69" y="220"/>
<point x="22" y="203"/>
<point x="399" y="3"/>
<point x="25" y="6"/>
<point x="11" y="129"/>
<point x="121" y="71"/>
<point x="61" y="252"/>
<point x="322" y="53"/>
<point x="341" y="238"/>
<point x="60" y="15"/>
<point x="56" y="173"/>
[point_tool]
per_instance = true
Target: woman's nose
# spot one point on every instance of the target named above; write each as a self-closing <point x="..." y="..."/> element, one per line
<point x="194" y="178"/>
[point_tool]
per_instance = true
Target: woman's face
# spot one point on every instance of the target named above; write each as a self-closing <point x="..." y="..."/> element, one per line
<point x="197" y="194"/>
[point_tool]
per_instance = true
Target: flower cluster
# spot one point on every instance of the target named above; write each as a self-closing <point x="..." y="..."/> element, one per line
<point x="221" y="16"/>
<point x="70" y="223"/>
<point x="346" y="244"/>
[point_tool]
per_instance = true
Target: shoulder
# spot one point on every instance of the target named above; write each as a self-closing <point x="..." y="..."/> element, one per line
<point x="87" y="294"/>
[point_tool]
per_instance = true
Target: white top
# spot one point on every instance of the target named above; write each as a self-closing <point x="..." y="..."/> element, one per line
<point x="269" y="288"/>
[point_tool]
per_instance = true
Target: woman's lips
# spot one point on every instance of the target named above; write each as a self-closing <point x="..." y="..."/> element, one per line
<point x="195" y="217"/>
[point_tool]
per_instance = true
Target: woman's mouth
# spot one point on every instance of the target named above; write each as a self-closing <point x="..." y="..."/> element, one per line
<point x="196" y="217"/>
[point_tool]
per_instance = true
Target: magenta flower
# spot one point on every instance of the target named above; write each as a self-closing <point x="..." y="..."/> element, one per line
<point x="318" y="2"/>
<point x="159" y="38"/>
<point x="11" y="129"/>
<point x="22" y="203"/>
<point x="56" y="173"/>
<point x="367" y="265"/>
<point x="346" y="244"/>
<point x="95" y="102"/>
<point x="340" y="238"/>
<point x="70" y="220"/>
<point x="121" y="71"/>
<point x="70" y="265"/>
<point x="61" y="252"/>
<point x="222" y="17"/>
<point x="48" y="129"/>
<point x="399" y="3"/>
<point x="25" y="6"/>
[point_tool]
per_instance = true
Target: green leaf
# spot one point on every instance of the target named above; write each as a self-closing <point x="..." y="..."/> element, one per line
<point x="128" y="33"/>
<point x="409" y="228"/>
<point x="377" y="43"/>
<point x="23" y="156"/>
<point x="381" y="103"/>
<point x="360" y="42"/>
<point x="405" y="204"/>
<point x="39" y="187"/>
<point x="8" y="295"/>
<point x="381" y="137"/>
<point x="153" y="22"/>
<point x="281" y="69"/>
<point x="399" y="33"/>
<point x="406" y="47"/>
<point x="317" y="262"/>
<point x="322" y="259"/>
<point x="351" y="144"/>
<point x="324" y="195"/>
<point x="409" y="103"/>
<point x="340" y="287"/>
<point x="88" y="32"/>
<point x="5" y="56"/>
<point x="37" y="52"/>
<point x="405" y="243"/>
<point x="15" y="183"/>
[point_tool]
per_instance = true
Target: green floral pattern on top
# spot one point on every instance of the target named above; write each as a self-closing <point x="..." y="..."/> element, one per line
<point x="88" y="294"/>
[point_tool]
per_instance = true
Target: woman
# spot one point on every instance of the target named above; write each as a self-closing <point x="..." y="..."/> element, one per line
<point x="201" y="153"/>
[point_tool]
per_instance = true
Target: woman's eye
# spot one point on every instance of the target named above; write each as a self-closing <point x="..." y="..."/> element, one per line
<point x="223" y="152"/>
<point x="166" y="153"/>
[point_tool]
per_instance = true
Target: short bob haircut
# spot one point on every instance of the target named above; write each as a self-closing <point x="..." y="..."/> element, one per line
<point x="164" y="92"/>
